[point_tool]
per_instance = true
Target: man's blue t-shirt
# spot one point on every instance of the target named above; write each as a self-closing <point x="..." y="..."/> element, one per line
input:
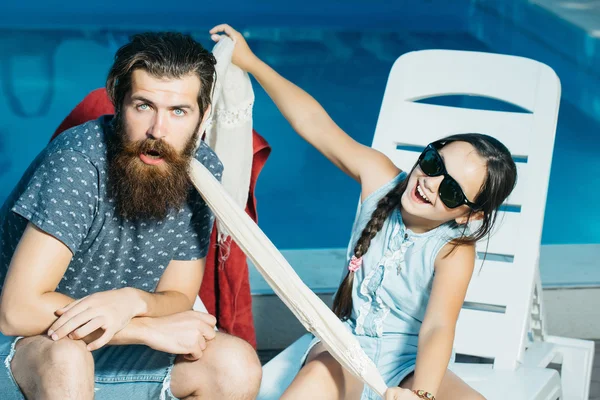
<point x="64" y="193"/>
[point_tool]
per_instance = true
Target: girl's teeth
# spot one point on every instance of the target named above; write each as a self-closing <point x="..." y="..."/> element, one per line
<point x="421" y="193"/>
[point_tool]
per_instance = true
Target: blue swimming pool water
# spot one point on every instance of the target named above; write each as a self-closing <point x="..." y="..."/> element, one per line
<point x="303" y="200"/>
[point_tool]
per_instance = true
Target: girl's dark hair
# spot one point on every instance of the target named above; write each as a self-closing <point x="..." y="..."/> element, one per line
<point x="162" y="54"/>
<point x="500" y="180"/>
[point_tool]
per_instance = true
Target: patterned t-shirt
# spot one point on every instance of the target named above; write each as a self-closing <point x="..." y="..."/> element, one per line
<point x="64" y="193"/>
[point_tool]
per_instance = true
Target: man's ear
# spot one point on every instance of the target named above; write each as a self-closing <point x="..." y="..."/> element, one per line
<point x="207" y="114"/>
<point x="465" y="218"/>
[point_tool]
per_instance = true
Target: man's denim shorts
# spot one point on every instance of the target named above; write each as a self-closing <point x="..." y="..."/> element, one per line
<point x="121" y="372"/>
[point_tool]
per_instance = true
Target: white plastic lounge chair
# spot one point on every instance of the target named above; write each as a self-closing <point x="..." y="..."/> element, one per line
<point x="502" y="318"/>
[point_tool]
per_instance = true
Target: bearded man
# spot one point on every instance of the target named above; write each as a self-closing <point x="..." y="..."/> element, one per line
<point x="104" y="243"/>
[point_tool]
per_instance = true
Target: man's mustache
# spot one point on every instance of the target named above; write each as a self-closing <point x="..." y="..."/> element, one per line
<point x="154" y="147"/>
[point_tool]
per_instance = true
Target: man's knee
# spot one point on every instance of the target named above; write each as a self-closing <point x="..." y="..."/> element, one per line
<point x="237" y="369"/>
<point x="44" y="368"/>
<point x="239" y="362"/>
<point x="44" y="354"/>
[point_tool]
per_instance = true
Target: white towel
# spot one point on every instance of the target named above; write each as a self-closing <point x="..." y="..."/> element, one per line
<point x="229" y="129"/>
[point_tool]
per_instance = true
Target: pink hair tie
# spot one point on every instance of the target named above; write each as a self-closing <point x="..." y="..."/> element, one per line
<point x="355" y="264"/>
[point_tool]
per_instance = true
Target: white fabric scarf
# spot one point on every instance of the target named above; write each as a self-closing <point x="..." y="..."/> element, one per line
<point x="231" y="117"/>
<point x="229" y="208"/>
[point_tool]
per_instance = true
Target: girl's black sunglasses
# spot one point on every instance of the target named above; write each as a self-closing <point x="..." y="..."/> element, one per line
<point x="451" y="194"/>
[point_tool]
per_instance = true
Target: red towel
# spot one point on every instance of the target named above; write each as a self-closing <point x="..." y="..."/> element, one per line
<point x="225" y="288"/>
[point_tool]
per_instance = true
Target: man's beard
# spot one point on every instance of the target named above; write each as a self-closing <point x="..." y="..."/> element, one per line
<point x="142" y="191"/>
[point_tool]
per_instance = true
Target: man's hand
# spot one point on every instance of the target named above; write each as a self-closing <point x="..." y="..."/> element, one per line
<point x="398" y="393"/>
<point x="109" y="311"/>
<point x="184" y="333"/>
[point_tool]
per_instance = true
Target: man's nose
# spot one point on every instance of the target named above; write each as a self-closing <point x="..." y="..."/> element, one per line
<point x="158" y="129"/>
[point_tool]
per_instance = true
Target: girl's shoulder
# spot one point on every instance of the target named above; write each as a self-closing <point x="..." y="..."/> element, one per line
<point x="376" y="174"/>
<point x="374" y="196"/>
<point x="442" y="242"/>
<point x="368" y="205"/>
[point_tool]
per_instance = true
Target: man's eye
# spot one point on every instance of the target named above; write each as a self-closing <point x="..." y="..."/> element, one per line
<point x="179" y="112"/>
<point x="142" y="107"/>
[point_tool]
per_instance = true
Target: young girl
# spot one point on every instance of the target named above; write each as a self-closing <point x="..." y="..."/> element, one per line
<point x="411" y="254"/>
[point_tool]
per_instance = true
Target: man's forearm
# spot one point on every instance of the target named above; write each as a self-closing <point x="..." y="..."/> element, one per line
<point x="37" y="317"/>
<point x="136" y="332"/>
<point x="162" y="303"/>
<point x="154" y="305"/>
<point x="34" y="318"/>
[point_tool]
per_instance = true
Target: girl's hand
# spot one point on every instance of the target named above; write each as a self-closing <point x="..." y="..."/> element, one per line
<point x="242" y="56"/>
<point x="398" y="393"/>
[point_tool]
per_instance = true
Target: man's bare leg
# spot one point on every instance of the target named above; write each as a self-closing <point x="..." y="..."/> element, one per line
<point x="228" y="369"/>
<point x="48" y="370"/>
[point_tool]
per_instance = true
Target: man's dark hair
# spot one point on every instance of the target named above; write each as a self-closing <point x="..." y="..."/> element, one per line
<point x="163" y="55"/>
